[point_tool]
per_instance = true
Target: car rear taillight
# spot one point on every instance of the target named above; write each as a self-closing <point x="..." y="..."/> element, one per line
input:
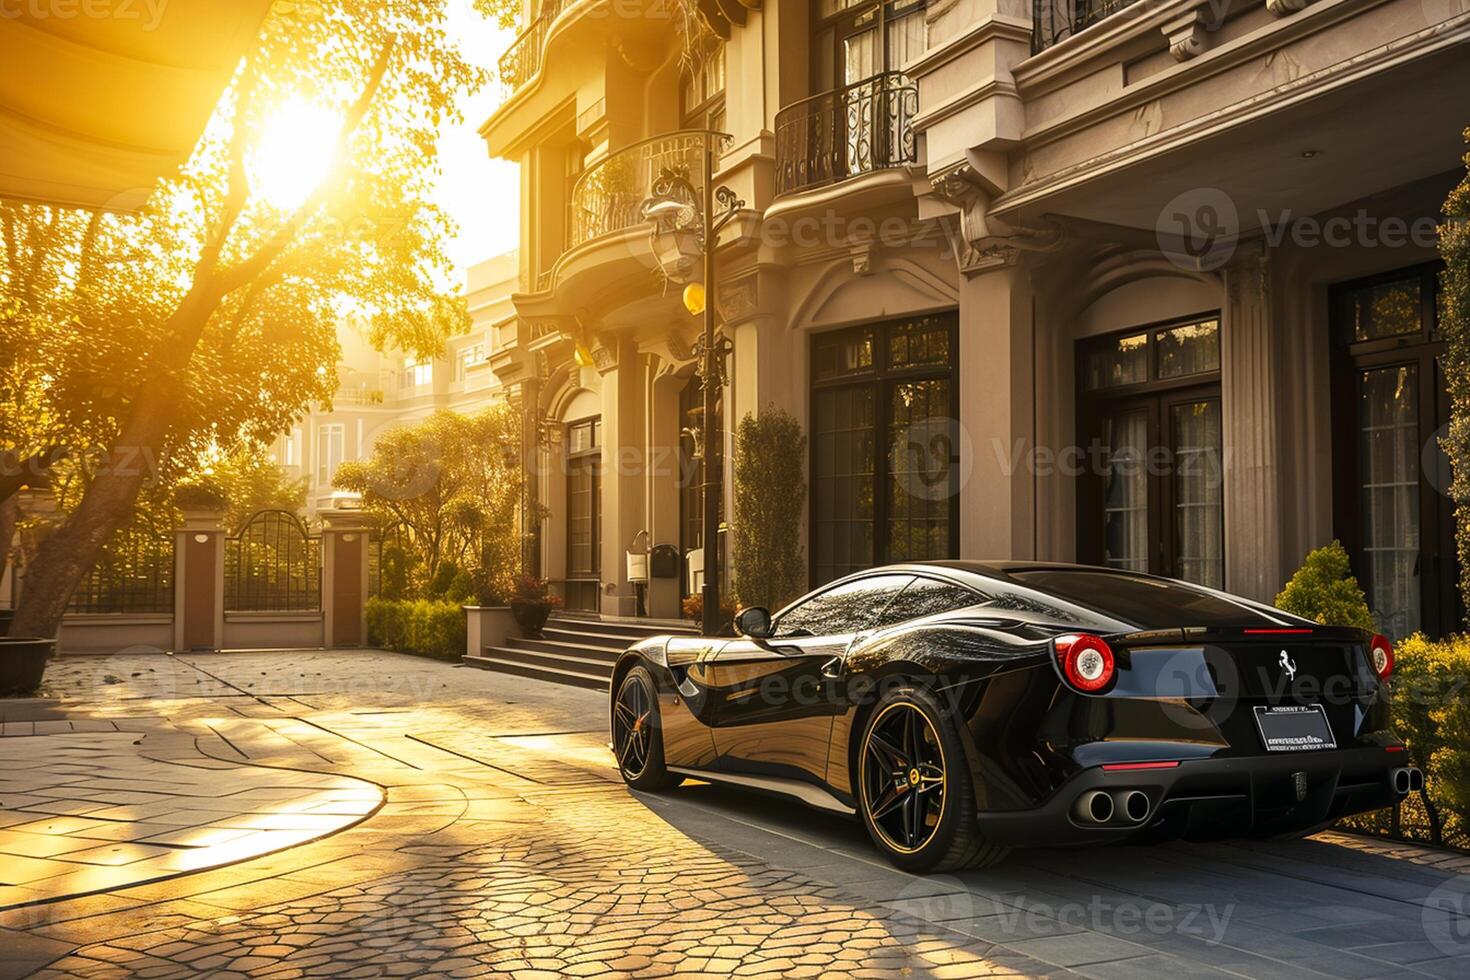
<point x="1380" y="654"/>
<point x="1086" y="661"/>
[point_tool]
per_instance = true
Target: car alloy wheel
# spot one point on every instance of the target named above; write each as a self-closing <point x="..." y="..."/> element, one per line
<point x="632" y="727"/>
<point x="903" y="778"/>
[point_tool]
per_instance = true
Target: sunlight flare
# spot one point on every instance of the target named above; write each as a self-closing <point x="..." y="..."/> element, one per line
<point x="295" y="153"/>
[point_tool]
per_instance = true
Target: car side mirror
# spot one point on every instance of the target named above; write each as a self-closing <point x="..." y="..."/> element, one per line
<point x="754" y="622"/>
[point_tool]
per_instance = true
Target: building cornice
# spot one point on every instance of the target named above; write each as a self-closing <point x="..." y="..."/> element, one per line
<point x="1312" y="85"/>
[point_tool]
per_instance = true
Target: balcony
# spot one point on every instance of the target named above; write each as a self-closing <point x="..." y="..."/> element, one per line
<point x="522" y="60"/>
<point x="1053" y="21"/>
<point x="609" y="197"/>
<point x="858" y="129"/>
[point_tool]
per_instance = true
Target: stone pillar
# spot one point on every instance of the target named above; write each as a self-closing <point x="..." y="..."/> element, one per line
<point x="344" y="578"/>
<point x="199" y="582"/>
<point x="625" y="382"/>
<point x="997" y="493"/>
<point x="662" y="487"/>
<point x="1248" y="368"/>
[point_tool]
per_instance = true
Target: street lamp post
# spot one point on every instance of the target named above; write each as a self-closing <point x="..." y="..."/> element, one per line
<point x="683" y="220"/>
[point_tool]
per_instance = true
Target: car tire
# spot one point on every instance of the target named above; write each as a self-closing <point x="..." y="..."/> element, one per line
<point x="635" y="713"/>
<point x="948" y="836"/>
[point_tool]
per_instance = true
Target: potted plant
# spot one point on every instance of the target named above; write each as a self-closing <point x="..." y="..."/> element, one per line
<point x="693" y="606"/>
<point x="531" y="604"/>
<point x="489" y="620"/>
<point x="23" y="663"/>
<point x="201" y="498"/>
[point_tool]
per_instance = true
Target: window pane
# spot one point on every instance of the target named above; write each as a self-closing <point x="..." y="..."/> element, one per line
<point x="1389" y="309"/>
<point x="926" y="597"/>
<point x="1199" y="546"/>
<point x="1125" y="362"/>
<point x="919" y="342"/>
<point x="1148" y="603"/>
<point x="844" y="609"/>
<point x="1388" y="421"/>
<point x="842" y="481"/>
<point x="1125" y="492"/>
<point x="844" y="353"/>
<point x="921" y="445"/>
<point x="860" y="56"/>
<point x="1190" y="349"/>
<point x="907" y="38"/>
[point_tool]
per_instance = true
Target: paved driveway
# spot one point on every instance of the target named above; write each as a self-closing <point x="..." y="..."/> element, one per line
<point x="505" y="845"/>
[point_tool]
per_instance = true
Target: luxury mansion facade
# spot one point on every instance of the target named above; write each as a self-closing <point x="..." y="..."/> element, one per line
<point x="1147" y="284"/>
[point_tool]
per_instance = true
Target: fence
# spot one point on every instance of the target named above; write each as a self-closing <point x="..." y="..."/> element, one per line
<point x="273" y="564"/>
<point x="134" y="576"/>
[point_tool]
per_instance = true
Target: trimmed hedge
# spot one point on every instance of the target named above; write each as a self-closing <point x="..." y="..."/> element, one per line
<point x="419" y="626"/>
<point x="1431" y="713"/>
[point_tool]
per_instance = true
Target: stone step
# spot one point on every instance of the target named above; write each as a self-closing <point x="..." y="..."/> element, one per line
<point x="632" y="628"/>
<point x="584" y="651"/>
<point x="514" y="663"/>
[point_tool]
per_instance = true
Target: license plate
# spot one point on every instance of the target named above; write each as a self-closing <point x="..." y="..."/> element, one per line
<point x="1294" y="728"/>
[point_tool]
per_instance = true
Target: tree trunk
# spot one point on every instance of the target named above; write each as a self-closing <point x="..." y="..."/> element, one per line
<point x="71" y="551"/>
<point x="8" y="509"/>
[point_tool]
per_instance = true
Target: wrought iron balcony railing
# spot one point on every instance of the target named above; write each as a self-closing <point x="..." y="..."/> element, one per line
<point x="609" y="196"/>
<point x="1053" y="21"/>
<point x="849" y="131"/>
<point x="523" y="58"/>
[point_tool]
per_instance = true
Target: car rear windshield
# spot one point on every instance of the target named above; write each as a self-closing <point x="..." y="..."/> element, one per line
<point x="1148" y="603"/>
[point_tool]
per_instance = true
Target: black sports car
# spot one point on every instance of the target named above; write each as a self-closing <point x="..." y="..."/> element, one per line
<point x="965" y="708"/>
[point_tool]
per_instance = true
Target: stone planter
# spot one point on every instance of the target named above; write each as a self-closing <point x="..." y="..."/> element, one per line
<point x="488" y="626"/>
<point x="530" y="616"/>
<point x="23" y="663"/>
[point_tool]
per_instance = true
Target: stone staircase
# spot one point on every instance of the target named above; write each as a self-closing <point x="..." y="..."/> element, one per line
<point x="574" y="650"/>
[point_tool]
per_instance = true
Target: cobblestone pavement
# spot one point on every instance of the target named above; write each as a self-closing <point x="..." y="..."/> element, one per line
<point x="508" y="847"/>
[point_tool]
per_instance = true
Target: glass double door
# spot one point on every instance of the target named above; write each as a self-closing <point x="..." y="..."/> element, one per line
<point x="1152" y="496"/>
<point x="1392" y="508"/>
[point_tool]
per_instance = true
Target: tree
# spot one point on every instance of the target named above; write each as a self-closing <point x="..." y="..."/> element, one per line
<point x="452" y="483"/>
<point x="147" y="343"/>
<point x="1454" y="323"/>
<point x="770" y="495"/>
<point x="1325" y="591"/>
<point x="251" y="481"/>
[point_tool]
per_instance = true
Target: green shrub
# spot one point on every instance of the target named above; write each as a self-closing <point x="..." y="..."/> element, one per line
<point x="770" y="498"/>
<point x="419" y="626"/>
<point x="1325" y="591"/>
<point x="1431" y="713"/>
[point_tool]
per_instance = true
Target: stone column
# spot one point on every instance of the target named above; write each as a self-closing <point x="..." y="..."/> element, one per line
<point x="199" y="582"/>
<point x="997" y="493"/>
<point x="1252" y="478"/>
<point x="625" y="382"/>
<point x="344" y="578"/>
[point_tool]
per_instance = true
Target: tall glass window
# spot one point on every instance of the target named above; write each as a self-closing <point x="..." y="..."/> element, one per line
<point x="1149" y="423"/>
<point x="1391" y="508"/>
<point x="883" y="444"/>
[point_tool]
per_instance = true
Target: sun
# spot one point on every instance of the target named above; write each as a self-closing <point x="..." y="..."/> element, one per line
<point x="294" y="154"/>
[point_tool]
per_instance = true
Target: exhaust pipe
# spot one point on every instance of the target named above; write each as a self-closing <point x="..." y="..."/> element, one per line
<point x="1094" y="806"/>
<point x="1406" y="780"/>
<point x="1133" y="805"/>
